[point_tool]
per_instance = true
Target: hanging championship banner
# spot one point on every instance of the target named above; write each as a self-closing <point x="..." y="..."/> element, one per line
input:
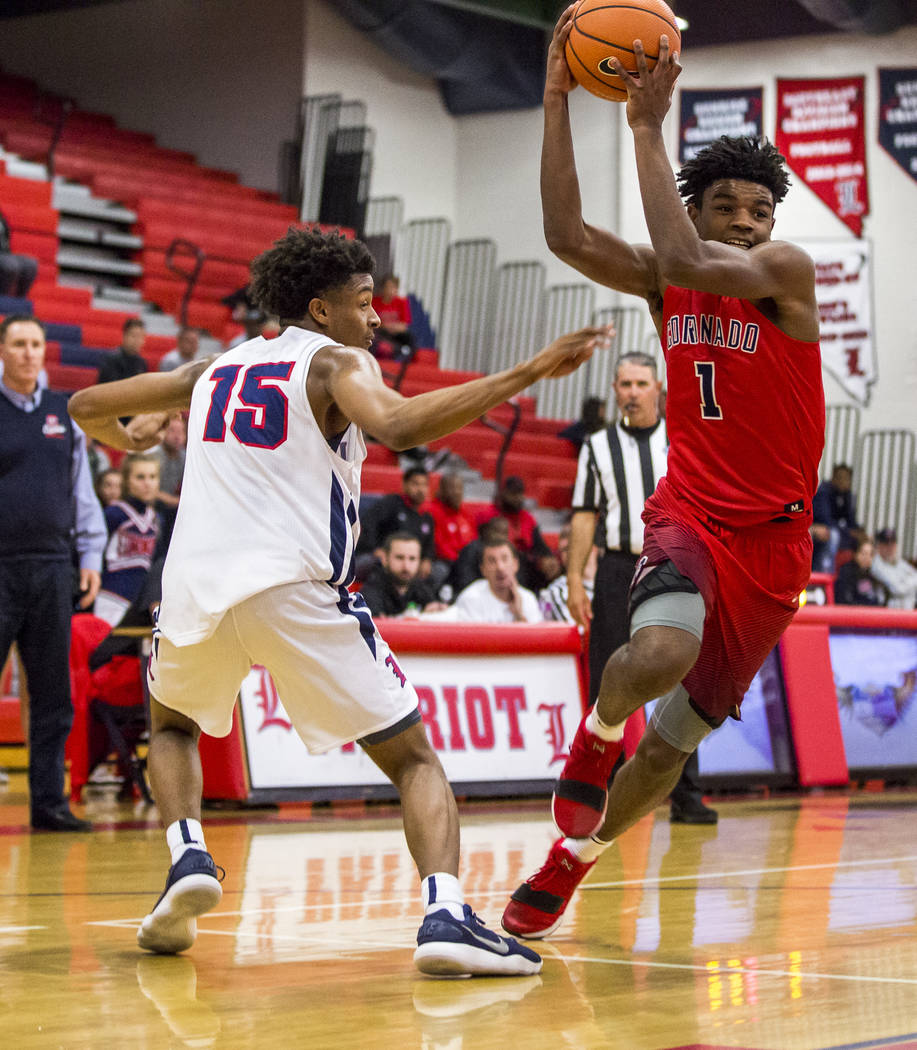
<point x="705" y="115"/>
<point x="843" y="290"/>
<point x="898" y="116"/>
<point x="820" y="132"/>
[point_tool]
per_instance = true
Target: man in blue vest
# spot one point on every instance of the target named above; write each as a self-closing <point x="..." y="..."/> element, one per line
<point x="48" y="513"/>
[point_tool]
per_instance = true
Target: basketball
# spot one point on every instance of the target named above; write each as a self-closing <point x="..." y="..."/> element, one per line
<point x="603" y="30"/>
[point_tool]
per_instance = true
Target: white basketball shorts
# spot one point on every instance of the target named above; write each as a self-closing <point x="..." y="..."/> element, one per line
<point x="336" y="676"/>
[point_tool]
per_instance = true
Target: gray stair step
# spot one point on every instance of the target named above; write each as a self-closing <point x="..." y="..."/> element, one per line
<point x="89" y="231"/>
<point x="71" y="199"/>
<point x="95" y="261"/>
<point x="113" y="298"/>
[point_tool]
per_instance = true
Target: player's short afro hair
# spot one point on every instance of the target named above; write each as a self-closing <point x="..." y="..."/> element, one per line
<point x="302" y="266"/>
<point x="748" y="159"/>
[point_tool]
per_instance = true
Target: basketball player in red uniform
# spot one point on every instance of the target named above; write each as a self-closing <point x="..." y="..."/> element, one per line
<point x="727" y="548"/>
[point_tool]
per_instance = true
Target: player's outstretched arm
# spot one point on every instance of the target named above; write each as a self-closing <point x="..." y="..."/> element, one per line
<point x="598" y="254"/>
<point x="150" y="397"/>
<point x="355" y="385"/>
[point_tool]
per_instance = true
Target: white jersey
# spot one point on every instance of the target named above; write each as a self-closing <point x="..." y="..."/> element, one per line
<point x="265" y="498"/>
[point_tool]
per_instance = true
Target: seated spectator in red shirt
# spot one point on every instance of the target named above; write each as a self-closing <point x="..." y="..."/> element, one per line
<point x="538" y="564"/>
<point x="855" y="584"/>
<point x="453" y="526"/>
<point x="393" y="337"/>
<point x="394" y="586"/>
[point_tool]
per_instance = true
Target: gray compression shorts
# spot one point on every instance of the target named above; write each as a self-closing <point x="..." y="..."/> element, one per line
<point x="671" y="609"/>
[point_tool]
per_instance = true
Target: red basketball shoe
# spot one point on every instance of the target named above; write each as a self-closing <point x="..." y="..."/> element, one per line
<point x="581" y="793"/>
<point x="537" y="907"/>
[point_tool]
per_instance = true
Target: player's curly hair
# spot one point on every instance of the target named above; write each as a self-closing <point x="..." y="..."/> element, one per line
<point x="303" y="265"/>
<point x="749" y="159"/>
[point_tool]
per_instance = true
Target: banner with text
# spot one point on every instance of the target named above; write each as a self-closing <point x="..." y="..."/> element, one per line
<point x="821" y="133"/>
<point x="843" y="289"/>
<point x="705" y="115"/>
<point x="898" y="116"/>
<point x="494" y="718"/>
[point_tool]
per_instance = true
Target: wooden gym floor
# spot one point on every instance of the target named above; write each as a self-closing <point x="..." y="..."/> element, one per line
<point x="790" y="926"/>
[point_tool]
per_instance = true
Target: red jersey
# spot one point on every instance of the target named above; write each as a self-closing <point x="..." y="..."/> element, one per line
<point x="452" y="529"/>
<point x="745" y="411"/>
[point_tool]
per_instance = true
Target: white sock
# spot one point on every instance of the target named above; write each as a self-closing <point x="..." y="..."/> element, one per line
<point x="442" y="890"/>
<point x="586" y="850"/>
<point x="596" y="726"/>
<point x="182" y="835"/>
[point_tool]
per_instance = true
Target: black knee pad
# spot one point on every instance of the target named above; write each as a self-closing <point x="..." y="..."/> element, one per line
<point x="652" y="580"/>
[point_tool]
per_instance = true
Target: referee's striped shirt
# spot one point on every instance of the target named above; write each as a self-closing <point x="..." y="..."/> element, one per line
<point x="617" y="473"/>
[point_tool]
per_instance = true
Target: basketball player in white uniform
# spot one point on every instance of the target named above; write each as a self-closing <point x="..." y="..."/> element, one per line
<point x="259" y="563"/>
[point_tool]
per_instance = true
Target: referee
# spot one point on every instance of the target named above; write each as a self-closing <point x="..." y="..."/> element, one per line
<point x="617" y="472"/>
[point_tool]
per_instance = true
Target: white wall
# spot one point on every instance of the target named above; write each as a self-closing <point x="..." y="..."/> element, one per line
<point x="415" y="156"/>
<point x="221" y="78"/>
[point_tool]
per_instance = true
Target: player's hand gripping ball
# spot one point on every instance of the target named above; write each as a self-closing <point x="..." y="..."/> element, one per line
<point x="603" y="30"/>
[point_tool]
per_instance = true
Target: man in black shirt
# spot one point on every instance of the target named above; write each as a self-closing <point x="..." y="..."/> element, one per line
<point x="398" y="512"/>
<point x="126" y="360"/>
<point x="394" y="588"/>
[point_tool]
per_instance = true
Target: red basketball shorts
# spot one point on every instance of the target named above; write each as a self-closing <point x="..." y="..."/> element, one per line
<point x="750" y="579"/>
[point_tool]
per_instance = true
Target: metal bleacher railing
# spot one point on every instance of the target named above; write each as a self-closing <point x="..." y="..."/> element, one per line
<point x="842" y="434"/>
<point x="566" y="308"/>
<point x="422" y="248"/>
<point x="516" y="319"/>
<point x="462" y="330"/>
<point x="384" y="218"/>
<point x="883" y="481"/>
<point x="328" y="124"/>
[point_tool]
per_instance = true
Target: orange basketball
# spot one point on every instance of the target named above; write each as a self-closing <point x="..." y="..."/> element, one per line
<point x="603" y="30"/>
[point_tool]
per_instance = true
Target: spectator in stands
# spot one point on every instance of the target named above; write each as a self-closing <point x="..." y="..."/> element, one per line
<point x="393" y="337"/>
<point x="187" y="348"/>
<point x="398" y="512"/>
<point x="453" y="526"/>
<point x="254" y="322"/>
<point x="17" y="272"/>
<point x="553" y="598"/>
<point x="47" y="508"/>
<point x="592" y="418"/>
<point x="126" y="361"/>
<point x="394" y="586"/>
<point x="538" y="564"/>
<point x="898" y="576"/>
<point x="99" y="460"/>
<point x="855" y="583"/>
<point x="498" y="597"/>
<point x="109" y="486"/>
<point x="171" y="455"/>
<point x="467" y="567"/>
<point x="834" y="526"/>
<point x="133" y="537"/>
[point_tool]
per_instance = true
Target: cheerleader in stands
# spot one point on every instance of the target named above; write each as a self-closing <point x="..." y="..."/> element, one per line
<point x="134" y="530"/>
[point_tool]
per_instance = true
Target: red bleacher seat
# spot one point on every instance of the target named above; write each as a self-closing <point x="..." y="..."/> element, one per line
<point x="41" y="246"/>
<point x="29" y="217"/>
<point x="551" y="493"/>
<point x="530" y="468"/>
<point x="24" y="191"/>
<point x="379" y="455"/>
<point x="69" y="378"/>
